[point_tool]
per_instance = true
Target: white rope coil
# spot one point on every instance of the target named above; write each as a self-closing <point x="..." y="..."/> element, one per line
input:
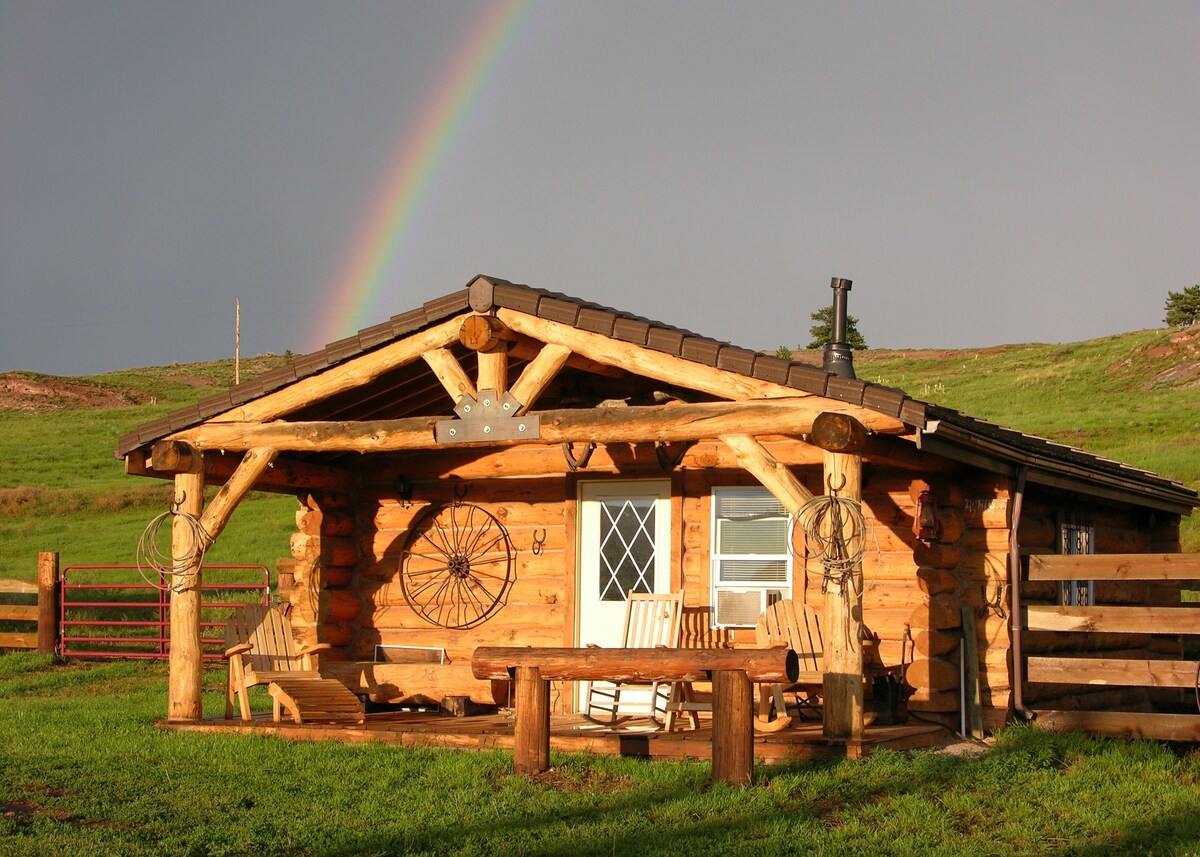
<point x="835" y="534"/>
<point x="173" y="572"/>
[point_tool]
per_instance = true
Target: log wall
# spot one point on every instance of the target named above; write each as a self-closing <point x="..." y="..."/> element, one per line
<point x="348" y="554"/>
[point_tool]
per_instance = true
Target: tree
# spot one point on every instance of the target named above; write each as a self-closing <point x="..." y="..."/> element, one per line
<point x="1183" y="308"/>
<point x="783" y="352"/>
<point x="822" y="330"/>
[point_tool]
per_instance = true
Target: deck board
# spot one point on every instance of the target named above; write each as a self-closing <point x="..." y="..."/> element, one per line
<point x="573" y="735"/>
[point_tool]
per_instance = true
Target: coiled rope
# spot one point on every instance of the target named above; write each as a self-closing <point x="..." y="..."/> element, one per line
<point x="173" y="572"/>
<point x="835" y="534"/>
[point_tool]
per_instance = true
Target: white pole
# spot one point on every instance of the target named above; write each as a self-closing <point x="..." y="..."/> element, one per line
<point x="237" y="341"/>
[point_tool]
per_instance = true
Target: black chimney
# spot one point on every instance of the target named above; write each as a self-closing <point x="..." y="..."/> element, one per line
<point x="839" y="359"/>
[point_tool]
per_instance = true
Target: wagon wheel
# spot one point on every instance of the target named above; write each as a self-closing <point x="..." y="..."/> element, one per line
<point x="458" y="565"/>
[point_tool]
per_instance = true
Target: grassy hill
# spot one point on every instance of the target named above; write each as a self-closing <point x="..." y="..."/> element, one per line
<point x="1133" y="397"/>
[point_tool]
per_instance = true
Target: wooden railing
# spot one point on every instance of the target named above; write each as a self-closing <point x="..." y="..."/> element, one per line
<point x="732" y="672"/>
<point x="1121" y="619"/>
<point x="44" y="612"/>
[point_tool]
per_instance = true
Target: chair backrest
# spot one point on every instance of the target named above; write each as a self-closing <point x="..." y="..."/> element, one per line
<point x="797" y="625"/>
<point x="653" y="620"/>
<point x="269" y="633"/>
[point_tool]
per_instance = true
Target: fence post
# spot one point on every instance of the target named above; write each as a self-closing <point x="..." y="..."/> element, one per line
<point x="48" y="601"/>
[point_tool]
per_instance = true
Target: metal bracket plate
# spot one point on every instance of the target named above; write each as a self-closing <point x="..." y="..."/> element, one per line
<point x="490" y="418"/>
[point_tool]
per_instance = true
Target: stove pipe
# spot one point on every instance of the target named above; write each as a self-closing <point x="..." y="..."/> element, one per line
<point x="839" y="358"/>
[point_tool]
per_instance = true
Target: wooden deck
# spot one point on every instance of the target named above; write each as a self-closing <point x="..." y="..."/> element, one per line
<point x="574" y="735"/>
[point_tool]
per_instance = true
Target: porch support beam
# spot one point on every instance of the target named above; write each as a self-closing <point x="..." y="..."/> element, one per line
<point x="217" y="515"/>
<point x="791" y="417"/>
<point x="843" y="684"/>
<point x="185" y="665"/>
<point x="754" y="458"/>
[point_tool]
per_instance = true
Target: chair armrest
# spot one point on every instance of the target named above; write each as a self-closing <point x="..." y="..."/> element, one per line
<point x="237" y="650"/>
<point x="313" y="648"/>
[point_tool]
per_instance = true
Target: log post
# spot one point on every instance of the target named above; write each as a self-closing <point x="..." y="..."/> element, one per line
<point x="185" y="660"/>
<point x="531" y="731"/>
<point x="843" y="703"/>
<point x="733" y="728"/>
<point x="48" y="602"/>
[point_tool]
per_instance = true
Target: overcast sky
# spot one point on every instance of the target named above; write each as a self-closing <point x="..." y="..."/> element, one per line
<point x="985" y="173"/>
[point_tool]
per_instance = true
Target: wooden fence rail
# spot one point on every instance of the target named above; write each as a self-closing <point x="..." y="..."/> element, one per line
<point x="1120" y="619"/>
<point x="44" y="612"/>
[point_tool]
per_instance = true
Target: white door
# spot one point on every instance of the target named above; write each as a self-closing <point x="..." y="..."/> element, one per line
<point x="624" y="546"/>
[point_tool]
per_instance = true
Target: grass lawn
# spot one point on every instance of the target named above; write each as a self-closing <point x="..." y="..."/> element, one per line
<point x="83" y="770"/>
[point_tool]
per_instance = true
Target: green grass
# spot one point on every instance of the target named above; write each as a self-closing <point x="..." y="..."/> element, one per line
<point x="85" y="771"/>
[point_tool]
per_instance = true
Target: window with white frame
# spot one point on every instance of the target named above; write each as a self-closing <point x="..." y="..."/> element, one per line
<point x="751" y="555"/>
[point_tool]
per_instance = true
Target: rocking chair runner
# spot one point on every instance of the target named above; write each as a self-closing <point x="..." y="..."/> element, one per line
<point x="260" y="649"/>
<point x="796" y="626"/>
<point x="651" y="621"/>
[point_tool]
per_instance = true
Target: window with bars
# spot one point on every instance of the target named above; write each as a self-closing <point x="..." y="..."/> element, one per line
<point x="751" y="555"/>
<point x="1077" y="537"/>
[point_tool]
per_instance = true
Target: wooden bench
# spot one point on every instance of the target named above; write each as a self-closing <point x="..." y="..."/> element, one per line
<point x="732" y="672"/>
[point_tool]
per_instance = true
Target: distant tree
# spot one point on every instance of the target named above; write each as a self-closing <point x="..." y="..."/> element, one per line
<point x="783" y="352"/>
<point x="1183" y="308"/>
<point x="822" y="330"/>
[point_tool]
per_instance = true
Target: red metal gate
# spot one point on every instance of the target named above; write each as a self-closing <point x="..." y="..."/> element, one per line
<point x="103" y="618"/>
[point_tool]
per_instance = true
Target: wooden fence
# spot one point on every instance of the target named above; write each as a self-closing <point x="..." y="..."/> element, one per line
<point x="1123" y="619"/>
<point x="44" y="612"/>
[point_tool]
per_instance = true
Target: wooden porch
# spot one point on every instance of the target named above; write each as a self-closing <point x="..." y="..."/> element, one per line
<point x="572" y="734"/>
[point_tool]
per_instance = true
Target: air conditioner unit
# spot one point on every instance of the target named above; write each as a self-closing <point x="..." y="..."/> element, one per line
<point x="740" y="608"/>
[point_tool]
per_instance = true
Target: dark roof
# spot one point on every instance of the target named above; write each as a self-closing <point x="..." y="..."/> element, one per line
<point x="941" y="430"/>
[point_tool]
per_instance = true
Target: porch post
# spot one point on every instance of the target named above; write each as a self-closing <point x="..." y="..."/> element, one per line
<point x="531" y="732"/>
<point x="842" y="437"/>
<point x="185" y="661"/>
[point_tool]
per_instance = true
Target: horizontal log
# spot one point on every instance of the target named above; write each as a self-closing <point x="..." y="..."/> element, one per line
<point x="936" y="581"/>
<point x="934" y="700"/>
<point x="784" y="416"/>
<point x="939" y="612"/>
<point x="596" y="664"/>
<point x="1124" y="724"/>
<point x="1111" y="540"/>
<point x="930" y="643"/>
<point x="315" y="522"/>
<point x="1128" y="620"/>
<point x="329" y="605"/>
<point x="1115" y="567"/>
<point x="19" y="587"/>
<point x="933" y="673"/>
<point x="937" y="555"/>
<point x="1105" y="671"/>
<point x="839" y="433"/>
<point x="328" y="550"/>
<point x="989" y="513"/>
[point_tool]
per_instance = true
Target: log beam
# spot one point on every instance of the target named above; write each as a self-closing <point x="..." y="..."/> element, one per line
<point x="775" y="477"/>
<point x="353" y="373"/>
<point x="216" y="516"/>
<point x="185" y="666"/>
<point x="699" y="421"/>
<point x="450" y="373"/>
<point x="538" y="374"/>
<point x="843" y="698"/>
<point x="485" y="334"/>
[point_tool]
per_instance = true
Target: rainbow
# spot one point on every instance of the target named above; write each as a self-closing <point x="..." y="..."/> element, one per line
<point x="375" y="251"/>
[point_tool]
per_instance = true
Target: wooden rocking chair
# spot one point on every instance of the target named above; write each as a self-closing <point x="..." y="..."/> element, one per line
<point x="651" y="621"/>
<point x="261" y="650"/>
<point x="796" y="626"/>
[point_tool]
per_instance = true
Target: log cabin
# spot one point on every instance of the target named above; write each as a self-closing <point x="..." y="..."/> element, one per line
<point x="503" y="465"/>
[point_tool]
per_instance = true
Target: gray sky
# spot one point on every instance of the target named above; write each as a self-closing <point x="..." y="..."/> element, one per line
<point x="985" y="173"/>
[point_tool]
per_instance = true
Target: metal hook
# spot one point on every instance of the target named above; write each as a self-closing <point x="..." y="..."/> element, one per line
<point x="539" y="542"/>
<point x="176" y="505"/>
<point x="833" y="490"/>
<point x="460" y="493"/>
<point x="581" y="462"/>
